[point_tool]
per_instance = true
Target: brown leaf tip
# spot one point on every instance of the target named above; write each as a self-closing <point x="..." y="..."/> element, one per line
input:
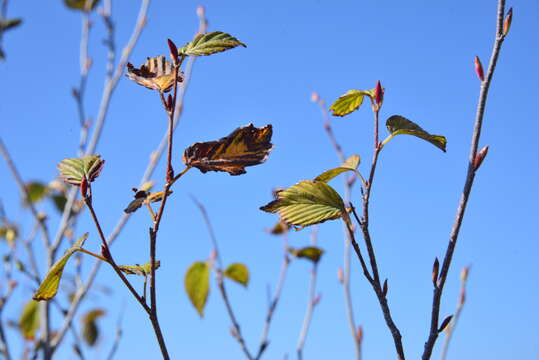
<point x="245" y="146"/>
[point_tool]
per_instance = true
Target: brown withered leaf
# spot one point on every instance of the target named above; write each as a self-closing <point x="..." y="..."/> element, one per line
<point x="143" y="197"/>
<point x="245" y="146"/>
<point x="156" y="73"/>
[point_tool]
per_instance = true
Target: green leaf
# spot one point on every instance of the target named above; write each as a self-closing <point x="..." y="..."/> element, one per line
<point x="210" y="43"/>
<point x="59" y="201"/>
<point x="349" y="102"/>
<point x="197" y="285"/>
<point x="141" y="270"/>
<point x="306" y="203"/>
<point x="36" y="191"/>
<point x="90" y="331"/>
<point x="80" y="4"/>
<point x="397" y="125"/>
<point x="312" y="253"/>
<point x="74" y="170"/>
<point x="6" y="24"/>
<point x="350" y="164"/>
<point x="237" y="272"/>
<point x="29" y="319"/>
<point x="49" y="286"/>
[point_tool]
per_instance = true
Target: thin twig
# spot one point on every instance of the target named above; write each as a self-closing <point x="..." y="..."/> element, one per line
<point x="347" y="241"/>
<point x="117" y="337"/>
<point x="311" y="302"/>
<point x="220" y="283"/>
<point x="450" y="329"/>
<point x="483" y="94"/>
<point x="274" y="302"/>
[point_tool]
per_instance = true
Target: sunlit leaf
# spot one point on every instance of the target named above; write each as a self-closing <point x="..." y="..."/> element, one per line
<point x="350" y="164"/>
<point x="210" y="43"/>
<point x="237" y="272"/>
<point x="141" y="270"/>
<point x="197" y="285"/>
<point x="49" y="286"/>
<point x="74" y="170"/>
<point x="397" y="125"/>
<point x="311" y="253"/>
<point x="10" y="233"/>
<point x="36" y="191"/>
<point x="156" y="73"/>
<point x="279" y="228"/>
<point x="245" y="146"/>
<point x="29" y="320"/>
<point x="6" y="24"/>
<point x="349" y="102"/>
<point x="80" y="4"/>
<point x="90" y="331"/>
<point x="306" y="203"/>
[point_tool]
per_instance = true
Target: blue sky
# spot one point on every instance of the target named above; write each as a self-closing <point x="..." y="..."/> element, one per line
<point x="423" y="53"/>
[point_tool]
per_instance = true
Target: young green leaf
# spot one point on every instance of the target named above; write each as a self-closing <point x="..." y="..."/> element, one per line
<point x="349" y="102"/>
<point x="311" y="253"/>
<point x="29" y="320"/>
<point x="210" y="43"/>
<point x="397" y="125"/>
<point x="36" y="191"/>
<point x="90" y="331"/>
<point x="141" y="270"/>
<point x="350" y="164"/>
<point x="237" y="272"/>
<point x="197" y="285"/>
<point x="306" y="203"/>
<point x="74" y="170"/>
<point x="49" y="286"/>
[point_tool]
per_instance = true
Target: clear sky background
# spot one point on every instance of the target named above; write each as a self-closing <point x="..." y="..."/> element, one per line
<point x="423" y="53"/>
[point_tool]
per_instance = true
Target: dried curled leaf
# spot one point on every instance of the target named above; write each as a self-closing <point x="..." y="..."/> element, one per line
<point x="142" y="270"/>
<point x="156" y="74"/>
<point x="237" y="272"/>
<point x="210" y="43"/>
<point x="245" y="146"/>
<point x="90" y="331"/>
<point x="143" y="197"/>
<point x="350" y="102"/>
<point x="49" y="286"/>
<point x="307" y="203"/>
<point x="397" y="125"/>
<point x="74" y="170"/>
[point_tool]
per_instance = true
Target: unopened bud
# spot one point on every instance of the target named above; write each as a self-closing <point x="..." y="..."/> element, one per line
<point x="12" y="284"/>
<point x="84" y="188"/>
<point x="435" y="271"/>
<point x="234" y="332"/>
<point x="446" y="322"/>
<point x="379" y="94"/>
<point x="105" y="253"/>
<point x="479" y="69"/>
<point x="317" y="299"/>
<point x="201" y="11"/>
<point x="479" y="157"/>
<point x="359" y="334"/>
<point x="340" y="275"/>
<point x="173" y="51"/>
<point x="464" y="274"/>
<point x="384" y="288"/>
<point x="462" y="297"/>
<point x="213" y="255"/>
<point x="315" y="97"/>
<point x="169" y="102"/>
<point x="507" y="22"/>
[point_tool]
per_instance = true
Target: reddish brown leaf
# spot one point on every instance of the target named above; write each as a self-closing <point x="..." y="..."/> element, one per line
<point x="245" y="146"/>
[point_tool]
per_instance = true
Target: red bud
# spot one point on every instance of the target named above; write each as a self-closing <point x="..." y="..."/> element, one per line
<point x="169" y="103"/>
<point x="201" y="11"/>
<point x="84" y="188"/>
<point x="479" y="69"/>
<point x="317" y="299"/>
<point x="359" y="334"/>
<point x="379" y="94"/>
<point x="479" y="158"/>
<point x="315" y="97"/>
<point x="340" y="275"/>
<point x="173" y="51"/>
<point x="507" y="22"/>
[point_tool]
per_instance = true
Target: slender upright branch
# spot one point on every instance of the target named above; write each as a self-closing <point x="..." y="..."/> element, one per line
<point x="347" y="241"/>
<point x="468" y="183"/>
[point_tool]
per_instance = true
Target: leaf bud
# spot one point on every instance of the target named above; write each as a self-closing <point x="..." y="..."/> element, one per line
<point x="384" y="288"/>
<point x="84" y="187"/>
<point x="359" y="334"/>
<point x="340" y="275"/>
<point x="479" y="69"/>
<point x="479" y="157"/>
<point x="315" y="97"/>
<point x="446" y="322"/>
<point x="173" y="51"/>
<point x="317" y="299"/>
<point x="435" y="271"/>
<point x="379" y="94"/>
<point x="464" y="273"/>
<point x="507" y="22"/>
<point x="201" y="11"/>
